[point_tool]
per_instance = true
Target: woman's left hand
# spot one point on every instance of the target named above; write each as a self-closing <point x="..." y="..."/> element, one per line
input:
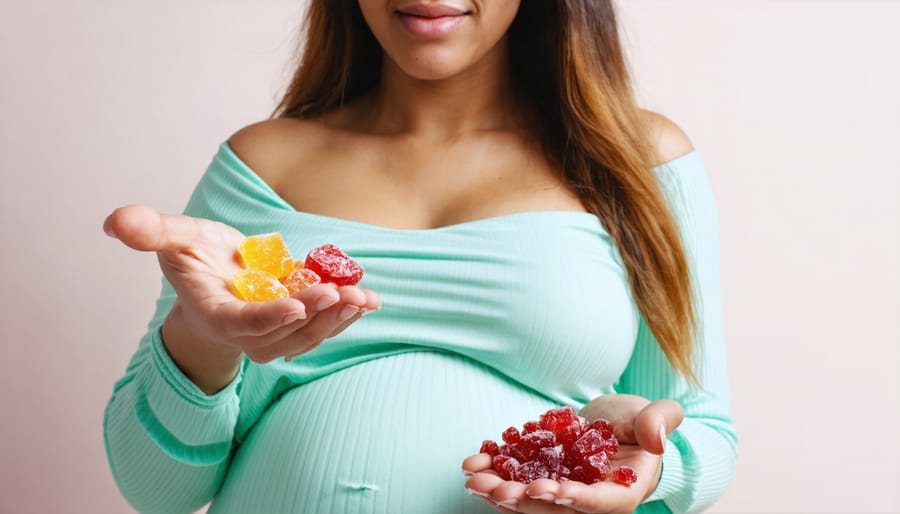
<point x="640" y="426"/>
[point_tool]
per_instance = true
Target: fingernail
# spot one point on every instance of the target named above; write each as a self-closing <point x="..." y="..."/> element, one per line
<point x="564" y="501"/>
<point x="348" y="312"/>
<point x="290" y="318"/>
<point x="476" y="493"/>
<point x="546" y="497"/>
<point x="509" y="504"/>
<point x="325" y="301"/>
<point x="662" y="437"/>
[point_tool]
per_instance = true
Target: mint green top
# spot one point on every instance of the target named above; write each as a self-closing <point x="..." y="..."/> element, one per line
<point x="485" y="324"/>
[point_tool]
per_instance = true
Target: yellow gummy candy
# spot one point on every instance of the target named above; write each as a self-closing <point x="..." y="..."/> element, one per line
<point x="255" y="285"/>
<point x="267" y="252"/>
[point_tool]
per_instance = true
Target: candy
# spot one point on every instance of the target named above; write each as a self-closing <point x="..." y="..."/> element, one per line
<point x="334" y="266"/>
<point x="254" y="285"/>
<point x="624" y="475"/>
<point x="511" y="435"/>
<point x="560" y="446"/>
<point x="490" y="448"/>
<point x="267" y="252"/>
<point x="300" y="278"/>
<point x="271" y="273"/>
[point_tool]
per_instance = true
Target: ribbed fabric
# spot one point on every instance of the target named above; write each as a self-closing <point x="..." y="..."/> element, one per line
<point x="484" y="324"/>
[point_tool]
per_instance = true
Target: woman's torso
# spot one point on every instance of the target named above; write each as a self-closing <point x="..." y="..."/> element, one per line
<point x="489" y="318"/>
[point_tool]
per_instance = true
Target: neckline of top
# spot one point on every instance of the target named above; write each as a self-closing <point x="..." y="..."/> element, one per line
<point x="227" y="153"/>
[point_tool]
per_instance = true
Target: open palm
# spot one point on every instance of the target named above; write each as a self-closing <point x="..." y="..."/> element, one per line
<point x="640" y="427"/>
<point x="199" y="258"/>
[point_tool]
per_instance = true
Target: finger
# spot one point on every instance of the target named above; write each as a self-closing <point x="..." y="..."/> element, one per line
<point x="483" y="484"/>
<point x="620" y="410"/>
<point x="373" y="300"/>
<point x="510" y="494"/>
<point x="142" y="228"/>
<point x="313" y="333"/>
<point x="486" y="485"/>
<point x="598" y="497"/>
<point x="542" y="489"/>
<point x="477" y="463"/>
<point x="315" y="299"/>
<point x="237" y="319"/>
<point x="358" y="297"/>
<point x="655" y="422"/>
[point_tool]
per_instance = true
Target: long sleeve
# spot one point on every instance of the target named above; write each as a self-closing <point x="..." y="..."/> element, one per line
<point x="167" y="442"/>
<point x="699" y="460"/>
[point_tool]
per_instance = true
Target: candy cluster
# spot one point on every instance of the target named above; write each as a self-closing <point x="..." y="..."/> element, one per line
<point x="271" y="273"/>
<point x="561" y="445"/>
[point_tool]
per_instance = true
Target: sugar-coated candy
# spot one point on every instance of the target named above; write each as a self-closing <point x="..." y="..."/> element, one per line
<point x="561" y="445"/>
<point x="490" y="448"/>
<point x="624" y="475"/>
<point x="300" y="279"/>
<point x="334" y="266"/>
<point x="267" y="252"/>
<point x="254" y="285"/>
<point x="511" y="435"/>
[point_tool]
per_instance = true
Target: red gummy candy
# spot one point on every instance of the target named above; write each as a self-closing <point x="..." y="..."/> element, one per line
<point x="556" y="420"/>
<point x="490" y="447"/>
<point x="589" y="443"/>
<point x="505" y="466"/>
<point x="624" y="475"/>
<point x="530" y="427"/>
<point x="560" y="446"/>
<point x="530" y="471"/>
<point x="334" y="266"/>
<point x="511" y="435"/>
<point x="551" y="457"/>
<point x="596" y="466"/>
<point x="605" y="428"/>
<point x="538" y="439"/>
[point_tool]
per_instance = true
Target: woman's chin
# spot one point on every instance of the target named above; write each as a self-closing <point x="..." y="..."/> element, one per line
<point x="431" y="69"/>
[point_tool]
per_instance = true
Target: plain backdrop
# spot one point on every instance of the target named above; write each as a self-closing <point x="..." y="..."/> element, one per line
<point x="795" y="106"/>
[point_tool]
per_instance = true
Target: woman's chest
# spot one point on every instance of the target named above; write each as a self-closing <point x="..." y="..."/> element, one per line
<point x="541" y="297"/>
<point x="410" y="186"/>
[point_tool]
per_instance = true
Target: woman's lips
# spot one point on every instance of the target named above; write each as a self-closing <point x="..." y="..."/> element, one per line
<point x="430" y="21"/>
<point x="428" y="28"/>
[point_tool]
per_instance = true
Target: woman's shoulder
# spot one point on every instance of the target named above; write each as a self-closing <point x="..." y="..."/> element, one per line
<point x="275" y="146"/>
<point x="669" y="140"/>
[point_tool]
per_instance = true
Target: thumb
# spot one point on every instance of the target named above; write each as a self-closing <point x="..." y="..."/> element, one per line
<point x="142" y="228"/>
<point x="655" y="422"/>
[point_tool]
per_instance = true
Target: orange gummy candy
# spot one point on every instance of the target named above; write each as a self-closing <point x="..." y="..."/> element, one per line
<point x="255" y="285"/>
<point x="300" y="278"/>
<point x="267" y="252"/>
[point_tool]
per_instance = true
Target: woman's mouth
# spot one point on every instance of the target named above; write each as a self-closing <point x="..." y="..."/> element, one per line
<point x="430" y="21"/>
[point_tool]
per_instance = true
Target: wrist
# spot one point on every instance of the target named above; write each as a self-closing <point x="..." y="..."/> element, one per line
<point x="210" y="365"/>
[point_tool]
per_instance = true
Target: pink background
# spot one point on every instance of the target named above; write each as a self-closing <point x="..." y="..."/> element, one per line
<point x="795" y="106"/>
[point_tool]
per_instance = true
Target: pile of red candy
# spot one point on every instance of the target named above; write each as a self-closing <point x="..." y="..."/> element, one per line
<point x="560" y="446"/>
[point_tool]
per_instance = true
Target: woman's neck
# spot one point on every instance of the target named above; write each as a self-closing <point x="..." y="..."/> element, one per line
<point x="478" y="98"/>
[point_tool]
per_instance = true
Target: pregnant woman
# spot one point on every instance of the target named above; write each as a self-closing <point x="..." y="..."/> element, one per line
<point x="531" y="239"/>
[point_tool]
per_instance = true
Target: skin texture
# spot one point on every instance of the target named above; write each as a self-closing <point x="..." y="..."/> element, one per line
<point x="441" y="141"/>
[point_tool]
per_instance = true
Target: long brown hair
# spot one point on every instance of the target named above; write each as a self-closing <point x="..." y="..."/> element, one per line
<point x="566" y="58"/>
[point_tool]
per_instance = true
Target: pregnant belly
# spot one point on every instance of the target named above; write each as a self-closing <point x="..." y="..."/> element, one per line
<point x="386" y="436"/>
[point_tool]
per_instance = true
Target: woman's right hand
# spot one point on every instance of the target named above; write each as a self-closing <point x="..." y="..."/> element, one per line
<point x="209" y="328"/>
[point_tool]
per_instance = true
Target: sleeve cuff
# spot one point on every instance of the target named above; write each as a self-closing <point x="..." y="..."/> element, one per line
<point x="187" y="424"/>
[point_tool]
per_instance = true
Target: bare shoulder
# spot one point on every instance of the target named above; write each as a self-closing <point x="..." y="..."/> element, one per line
<point x="271" y="147"/>
<point x="669" y="139"/>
